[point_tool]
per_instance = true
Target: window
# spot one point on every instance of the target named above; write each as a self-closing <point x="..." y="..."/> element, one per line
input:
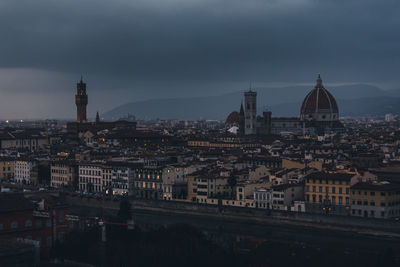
<point x="28" y="223"/>
<point x="1" y="226"/>
<point x="14" y="225"/>
<point x="340" y="190"/>
<point x="38" y="223"/>
<point x="333" y="190"/>
<point x="372" y="193"/>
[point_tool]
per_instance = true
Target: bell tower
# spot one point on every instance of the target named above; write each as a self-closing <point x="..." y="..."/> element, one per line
<point x="250" y="112"/>
<point x="81" y="101"/>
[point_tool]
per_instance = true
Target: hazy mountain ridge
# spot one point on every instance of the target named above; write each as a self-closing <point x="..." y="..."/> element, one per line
<point x="358" y="99"/>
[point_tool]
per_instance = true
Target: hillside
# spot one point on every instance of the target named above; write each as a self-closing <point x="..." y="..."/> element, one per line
<point x="356" y="99"/>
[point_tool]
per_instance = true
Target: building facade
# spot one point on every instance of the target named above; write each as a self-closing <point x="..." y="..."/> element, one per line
<point x="90" y="177"/>
<point x="375" y="200"/>
<point x="64" y="174"/>
<point x="263" y="198"/>
<point x="6" y="168"/>
<point x="329" y="192"/>
<point x="147" y="183"/>
<point x="24" y="172"/>
<point x="122" y="178"/>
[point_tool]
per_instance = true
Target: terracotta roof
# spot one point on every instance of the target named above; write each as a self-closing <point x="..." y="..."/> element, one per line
<point x="376" y="186"/>
<point x="232" y="118"/>
<point x="319" y="99"/>
<point x="330" y="176"/>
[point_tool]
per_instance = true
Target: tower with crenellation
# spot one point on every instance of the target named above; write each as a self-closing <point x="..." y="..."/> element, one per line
<point x="81" y="101"/>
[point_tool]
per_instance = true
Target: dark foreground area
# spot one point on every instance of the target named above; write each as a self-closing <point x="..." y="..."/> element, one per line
<point x="160" y="239"/>
<point x="184" y="245"/>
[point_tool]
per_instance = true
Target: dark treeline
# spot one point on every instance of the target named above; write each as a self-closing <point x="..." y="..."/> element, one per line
<point x="183" y="245"/>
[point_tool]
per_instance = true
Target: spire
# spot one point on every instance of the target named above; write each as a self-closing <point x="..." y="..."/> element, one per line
<point x="97" y="117"/>
<point x="241" y="109"/>
<point x="81" y="78"/>
<point x="319" y="80"/>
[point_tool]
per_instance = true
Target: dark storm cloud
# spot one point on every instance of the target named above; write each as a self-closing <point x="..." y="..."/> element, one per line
<point x="139" y="44"/>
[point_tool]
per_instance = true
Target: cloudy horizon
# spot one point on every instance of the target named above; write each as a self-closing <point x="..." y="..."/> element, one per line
<point x="130" y="51"/>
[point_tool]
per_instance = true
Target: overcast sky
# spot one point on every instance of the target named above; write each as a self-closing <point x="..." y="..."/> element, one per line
<point x="130" y="50"/>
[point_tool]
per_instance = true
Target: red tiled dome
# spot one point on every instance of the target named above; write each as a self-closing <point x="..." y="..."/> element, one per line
<point x="233" y="118"/>
<point x="319" y="101"/>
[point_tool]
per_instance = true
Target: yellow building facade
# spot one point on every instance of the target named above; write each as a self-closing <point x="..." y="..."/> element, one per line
<point x="375" y="199"/>
<point x="6" y="168"/>
<point x="325" y="190"/>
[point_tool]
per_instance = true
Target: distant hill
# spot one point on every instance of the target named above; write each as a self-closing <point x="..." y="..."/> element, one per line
<point x="356" y="99"/>
<point x="348" y="107"/>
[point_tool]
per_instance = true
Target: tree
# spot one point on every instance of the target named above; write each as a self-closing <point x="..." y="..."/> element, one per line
<point x="124" y="212"/>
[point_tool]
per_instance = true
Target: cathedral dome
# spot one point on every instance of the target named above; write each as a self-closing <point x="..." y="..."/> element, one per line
<point x="233" y="118"/>
<point x="319" y="105"/>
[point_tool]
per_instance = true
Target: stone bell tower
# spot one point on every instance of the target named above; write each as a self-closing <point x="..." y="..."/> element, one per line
<point x="81" y="101"/>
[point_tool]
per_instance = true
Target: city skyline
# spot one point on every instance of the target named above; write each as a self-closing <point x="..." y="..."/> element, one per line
<point x="200" y="133"/>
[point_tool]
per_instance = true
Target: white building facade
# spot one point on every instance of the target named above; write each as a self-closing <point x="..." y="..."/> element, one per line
<point x="23" y="170"/>
<point x="91" y="178"/>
